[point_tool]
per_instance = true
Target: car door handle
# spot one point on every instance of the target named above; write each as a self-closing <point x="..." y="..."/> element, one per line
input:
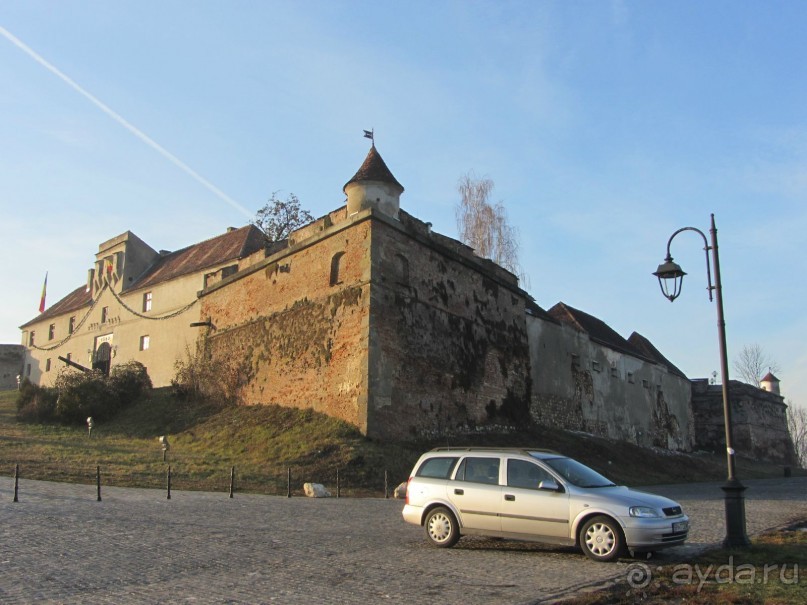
<point x="510" y="497"/>
<point x="459" y="492"/>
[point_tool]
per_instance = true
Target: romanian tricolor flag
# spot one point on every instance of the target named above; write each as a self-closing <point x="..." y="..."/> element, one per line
<point x="44" y="293"/>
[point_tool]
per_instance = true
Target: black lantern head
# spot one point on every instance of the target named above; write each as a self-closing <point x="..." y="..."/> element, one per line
<point x="670" y="278"/>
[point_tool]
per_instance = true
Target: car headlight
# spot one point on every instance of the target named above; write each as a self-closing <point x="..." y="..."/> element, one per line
<point x="643" y="511"/>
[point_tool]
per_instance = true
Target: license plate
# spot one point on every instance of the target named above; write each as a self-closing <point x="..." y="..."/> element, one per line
<point x="680" y="526"/>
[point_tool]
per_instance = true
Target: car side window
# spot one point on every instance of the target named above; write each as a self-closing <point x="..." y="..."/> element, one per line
<point x="438" y="468"/>
<point x="479" y="470"/>
<point x="521" y="473"/>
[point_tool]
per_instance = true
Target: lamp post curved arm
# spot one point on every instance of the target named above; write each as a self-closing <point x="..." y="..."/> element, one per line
<point x="670" y="270"/>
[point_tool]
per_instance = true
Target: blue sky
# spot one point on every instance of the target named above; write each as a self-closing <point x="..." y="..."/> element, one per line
<point x="606" y="126"/>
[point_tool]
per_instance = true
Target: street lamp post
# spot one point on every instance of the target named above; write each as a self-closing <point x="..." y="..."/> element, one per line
<point x="670" y="277"/>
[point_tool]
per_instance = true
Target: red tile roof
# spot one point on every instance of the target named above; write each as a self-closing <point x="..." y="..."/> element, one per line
<point x="597" y="329"/>
<point x="229" y="246"/>
<point x="374" y="169"/>
<point x="77" y="299"/>
<point x="232" y="245"/>
<point x="646" y="347"/>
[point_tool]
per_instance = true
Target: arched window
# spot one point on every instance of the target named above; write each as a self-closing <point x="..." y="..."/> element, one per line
<point x="402" y="269"/>
<point x="335" y="262"/>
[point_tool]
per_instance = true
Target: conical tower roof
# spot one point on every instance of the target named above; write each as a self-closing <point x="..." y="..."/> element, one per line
<point x="374" y="169"/>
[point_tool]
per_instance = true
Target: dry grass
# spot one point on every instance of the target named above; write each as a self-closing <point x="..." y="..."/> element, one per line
<point x="772" y="571"/>
<point x="263" y="442"/>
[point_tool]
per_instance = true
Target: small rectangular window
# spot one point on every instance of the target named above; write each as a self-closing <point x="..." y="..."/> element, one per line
<point x="595" y="365"/>
<point x="144" y="343"/>
<point x="614" y="372"/>
<point x="147" y="301"/>
<point x="646" y="384"/>
<point x="51" y="331"/>
<point x="439" y="468"/>
<point x="71" y="325"/>
<point x="479" y="470"/>
<point x="630" y="377"/>
<point x="104" y="314"/>
<point x="47" y="364"/>
<point x="31" y="339"/>
<point x="28" y="370"/>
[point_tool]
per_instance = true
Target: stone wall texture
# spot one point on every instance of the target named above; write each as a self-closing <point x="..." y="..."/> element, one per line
<point x="413" y="338"/>
<point x="759" y="419"/>
<point x="579" y="384"/>
<point x="448" y="338"/>
<point x="304" y="340"/>
<point x="11" y="358"/>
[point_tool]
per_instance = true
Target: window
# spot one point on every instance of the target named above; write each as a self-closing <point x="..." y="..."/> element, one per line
<point x="521" y="473"/>
<point x="104" y="314"/>
<point x="51" y="331"/>
<point x="31" y="338"/>
<point x="439" y="468"/>
<point x="402" y="266"/>
<point x="630" y="377"/>
<point x="71" y="325"/>
<point x="147" y="301"/>
<point x="335" y="262"/>
<point x="479" y="470"/>
<point x="144" y="343"/>
<point x="646" y="384"/>
<point x="613" y="373"/>
<point x="28" y="370"/>
<point x="228" y="271"/>
<point x="47" y="364"/>
<point x="595" y="365"/>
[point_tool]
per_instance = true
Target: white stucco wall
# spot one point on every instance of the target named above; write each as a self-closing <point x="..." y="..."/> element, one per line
<point x="579" y="384"/>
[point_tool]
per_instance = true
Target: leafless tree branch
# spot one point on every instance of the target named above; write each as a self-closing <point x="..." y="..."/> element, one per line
<point x="484" y="226"/>
<point x="797" y="425"/>
<point x="752" y="363"/>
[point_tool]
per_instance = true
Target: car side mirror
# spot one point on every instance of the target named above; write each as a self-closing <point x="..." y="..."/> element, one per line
<point x="550" y="485"/>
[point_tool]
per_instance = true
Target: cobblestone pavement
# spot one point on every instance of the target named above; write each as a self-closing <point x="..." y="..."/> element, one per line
<point x="58" y="545"/>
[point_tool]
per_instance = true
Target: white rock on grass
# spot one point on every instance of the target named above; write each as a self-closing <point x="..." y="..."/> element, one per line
<point x="316" y="490"/>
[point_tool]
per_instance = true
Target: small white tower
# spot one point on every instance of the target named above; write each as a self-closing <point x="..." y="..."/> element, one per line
<point x="770" y="383"/>
<point x="373" y="186"/>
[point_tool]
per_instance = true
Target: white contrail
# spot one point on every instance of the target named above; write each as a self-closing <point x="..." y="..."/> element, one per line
<point x="123" y="122"/>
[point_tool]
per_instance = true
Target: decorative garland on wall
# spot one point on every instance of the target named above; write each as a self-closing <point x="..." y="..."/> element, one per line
<point x="77" y="327"/>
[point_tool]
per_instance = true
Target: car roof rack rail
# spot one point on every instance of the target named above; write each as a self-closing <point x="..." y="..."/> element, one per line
<point x="474" y="448"/>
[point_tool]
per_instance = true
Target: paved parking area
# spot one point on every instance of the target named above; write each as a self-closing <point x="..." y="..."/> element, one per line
<point x="58" y="545"/>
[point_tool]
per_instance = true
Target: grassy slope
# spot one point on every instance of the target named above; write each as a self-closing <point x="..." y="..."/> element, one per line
<point x="262" y="442"/>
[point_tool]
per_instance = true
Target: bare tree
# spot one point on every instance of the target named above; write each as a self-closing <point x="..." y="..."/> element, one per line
<point x="752" y="363"/>
<point x="797" y="425"/>
<point x="278" y="218"/>
<point x="484" y="226"/>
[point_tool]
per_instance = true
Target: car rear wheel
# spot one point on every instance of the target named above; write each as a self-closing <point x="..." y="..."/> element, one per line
<point x="601" y="539"/>
<point x="441" y="527"/>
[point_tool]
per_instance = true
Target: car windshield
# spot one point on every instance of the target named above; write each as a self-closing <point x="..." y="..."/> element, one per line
<point x="576" y="473"/>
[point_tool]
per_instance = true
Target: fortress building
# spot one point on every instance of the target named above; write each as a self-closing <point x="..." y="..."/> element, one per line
<point x="368" y="315"/>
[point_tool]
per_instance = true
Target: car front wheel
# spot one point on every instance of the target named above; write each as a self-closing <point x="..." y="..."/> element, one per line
<point x="601" y="539"/>
<point x="441" y="527"/>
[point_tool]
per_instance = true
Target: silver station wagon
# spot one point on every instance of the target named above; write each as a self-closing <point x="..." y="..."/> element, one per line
<point x="536" y="495"/>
